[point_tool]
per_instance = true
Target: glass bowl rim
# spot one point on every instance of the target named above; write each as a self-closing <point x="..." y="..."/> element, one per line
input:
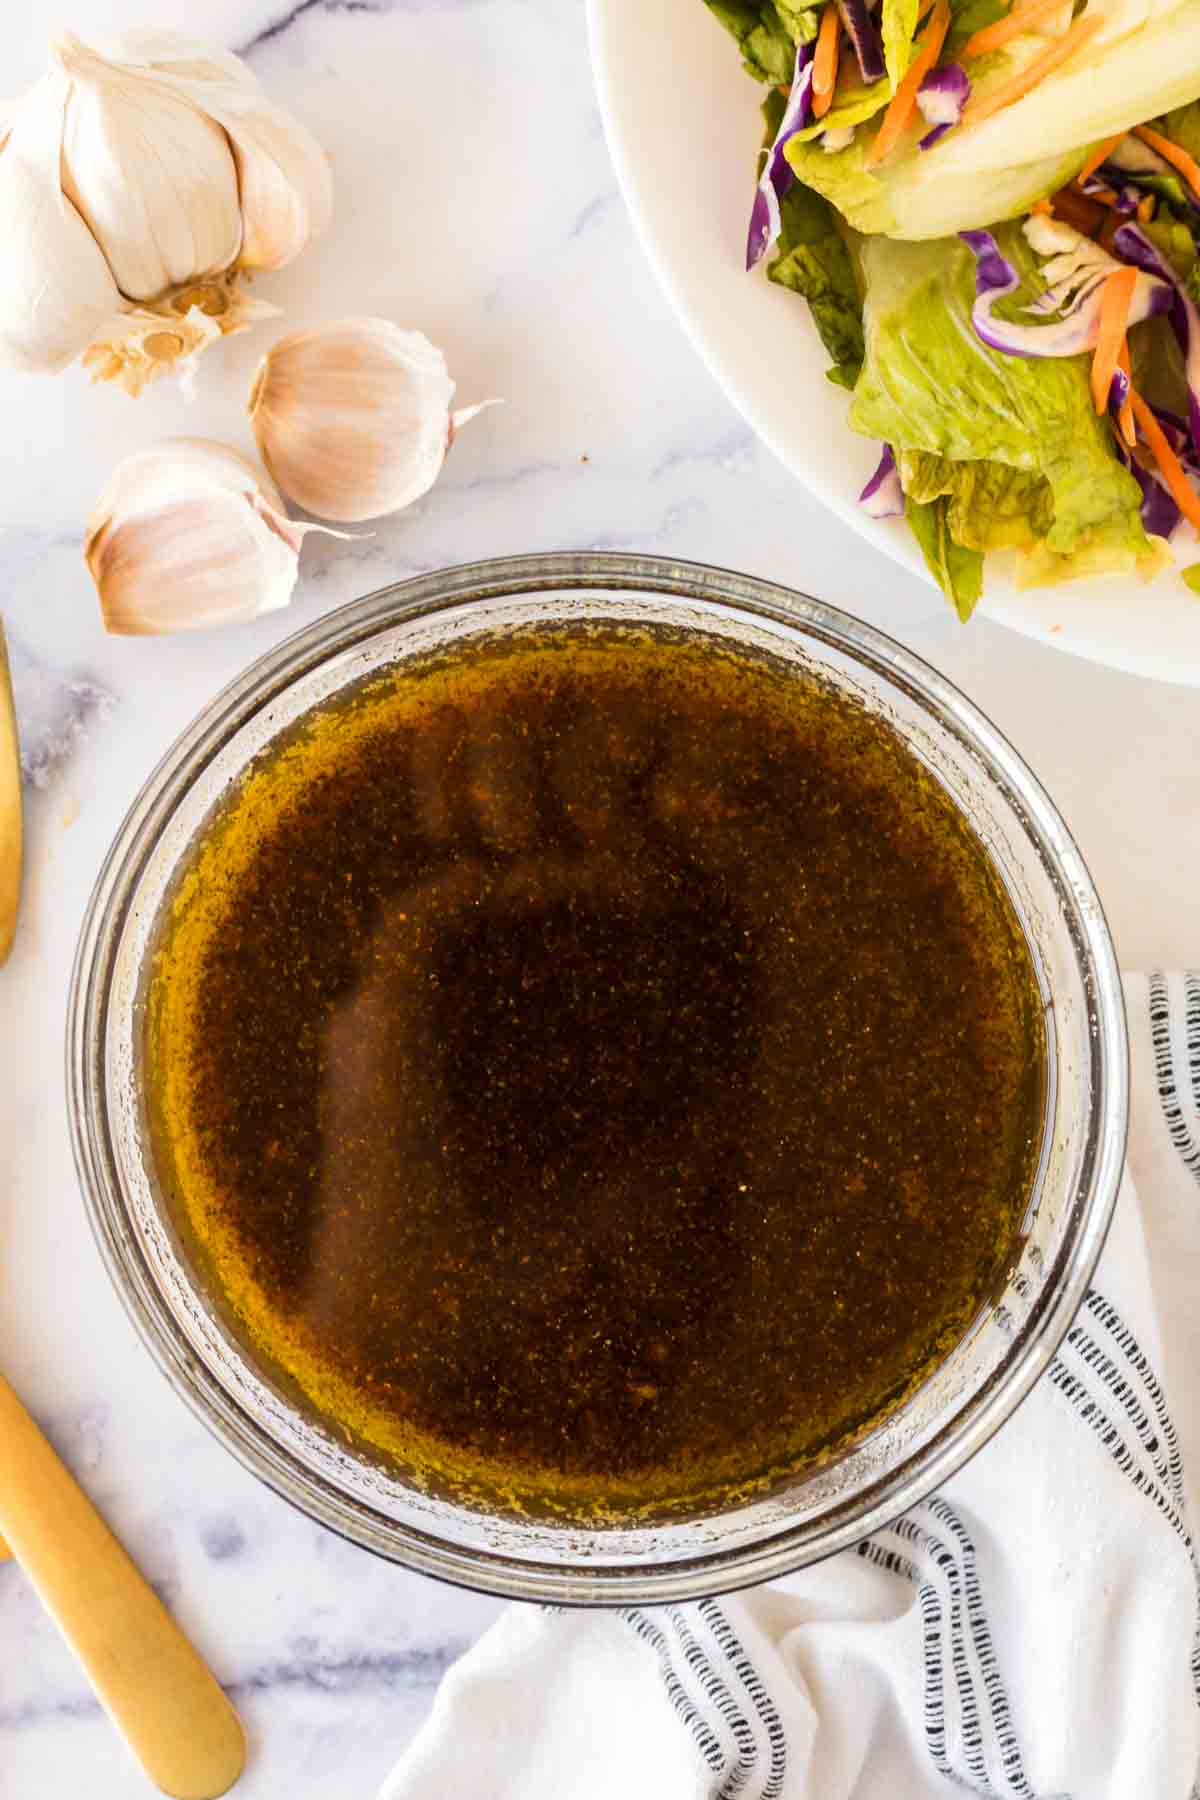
<point x="708" y="1571"/>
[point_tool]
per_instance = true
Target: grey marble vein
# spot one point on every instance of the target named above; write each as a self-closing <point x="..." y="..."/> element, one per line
<point x="55" y="712"/>
<point x="223" y="1538"/>
<point x="352" y="1674"/>
<point x="48" y="1712"/>
<point x="730" y="451"/>
<point x="277" y="27"/>
<point x="358" y="1673"/>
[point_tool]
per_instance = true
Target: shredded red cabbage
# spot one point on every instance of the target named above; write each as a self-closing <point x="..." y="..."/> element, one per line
<point x="864" y="35"/>
<point x="1159" y="513"/>
<point x="1075" y="277"/>
<point x="943" y="94"/>
<point x="1118" y="391"/>
<point x="1127" y="200"/>
<point x="777" y="177"/>
<point x="883" y="497"/>
<point x="941" y="98"/>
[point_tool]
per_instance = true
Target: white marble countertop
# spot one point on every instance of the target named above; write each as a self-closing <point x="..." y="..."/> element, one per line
<point x="475" y="200"/>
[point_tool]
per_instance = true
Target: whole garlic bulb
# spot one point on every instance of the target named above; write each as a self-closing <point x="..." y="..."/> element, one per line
<point x="134" y="187"/>
<point x="354" y="419"/>
<point x="187" y="535"/>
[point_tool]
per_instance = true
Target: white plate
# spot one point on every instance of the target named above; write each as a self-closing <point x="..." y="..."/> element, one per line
<point x="683" y="127"/>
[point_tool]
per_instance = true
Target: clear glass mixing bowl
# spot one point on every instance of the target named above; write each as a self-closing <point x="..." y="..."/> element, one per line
<point x="958" y="1407"/>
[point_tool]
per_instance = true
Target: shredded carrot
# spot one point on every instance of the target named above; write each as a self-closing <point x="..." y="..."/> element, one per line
<point x="1042" y="206"/>
<point x="1115" y="298"/>
<point x="1182" y="492"/>
<point x="825" y="61"/>
<point x="1179" y="159"/>
<point x="1146" y="208"/>
<point x="1041" y="66"/>
<point x="1021" y="18"/>
<point x="1125" y="416"/>
<point x="1103" y="196"/>
<point x="1099" y="155"/>
<point x="903" y="102"/>
<point x="925" y="9"/>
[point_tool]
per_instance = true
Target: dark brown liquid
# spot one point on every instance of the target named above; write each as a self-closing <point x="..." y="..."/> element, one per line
<point x="600" y="1075"/>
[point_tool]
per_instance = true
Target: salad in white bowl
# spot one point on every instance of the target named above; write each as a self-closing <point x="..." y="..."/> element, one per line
<point x="993" y="212"/>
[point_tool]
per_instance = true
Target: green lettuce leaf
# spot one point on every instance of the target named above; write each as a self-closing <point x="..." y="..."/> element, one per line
<point x="1159" y="370"/>
<point x="898" y="22"/>
<point x="989" y="505"/>
<point x="1182" y="126"/>
<point x="1173" y="239"/>
<point x="1009" y="450"/>
<point x="997" y="169"/>
<point x="905" y="198"/>
<point x="957" y="571"/>
<point x="813" y="260"/>
<point x="767" y="33"/>
<point x="968" y="17"/>
<point x="855" y="104"/>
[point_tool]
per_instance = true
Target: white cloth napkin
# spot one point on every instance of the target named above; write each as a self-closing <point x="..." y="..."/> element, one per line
<point x="1030" y="1631"/>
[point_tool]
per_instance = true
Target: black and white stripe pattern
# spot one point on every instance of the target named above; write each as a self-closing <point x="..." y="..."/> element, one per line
<point x="721" y="1698"/>
<point x="1103" y="1372"/>
<point x="967" y="1719"/>
<point x="1175" y="1035"/>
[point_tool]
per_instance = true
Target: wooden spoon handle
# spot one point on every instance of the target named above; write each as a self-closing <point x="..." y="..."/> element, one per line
<point x="155" y="1687"/>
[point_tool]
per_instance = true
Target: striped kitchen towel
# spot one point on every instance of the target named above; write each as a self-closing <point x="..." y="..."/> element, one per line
<point x="1030" y="1631"/>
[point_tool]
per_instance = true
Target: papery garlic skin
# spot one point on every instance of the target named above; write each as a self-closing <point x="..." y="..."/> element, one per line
<point x="283" y="178"/>
<point x="133" y="177"/>
<point x="173" y="53"/>
<point x="56" y="289"/>
<point x="154" y="178"/>
<point x="189" y="535"/>
<point x="283" y="174"/>
<point x="354" y="419"/>
<point x="142" y="344"/>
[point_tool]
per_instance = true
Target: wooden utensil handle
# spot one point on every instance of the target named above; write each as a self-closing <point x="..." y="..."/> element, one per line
<point x="156" y="1688"/>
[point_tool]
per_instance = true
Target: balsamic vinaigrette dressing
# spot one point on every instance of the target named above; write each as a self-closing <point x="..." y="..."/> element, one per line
<point x="599" y="1075"/>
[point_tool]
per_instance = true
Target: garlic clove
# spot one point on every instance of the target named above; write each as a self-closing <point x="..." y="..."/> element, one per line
<point x="283" y="174"/>
<point x="153" y="178"/>
<point x="189" y="535"/>
<point x="353" y="419"/>
<point x="56" y="290"/>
